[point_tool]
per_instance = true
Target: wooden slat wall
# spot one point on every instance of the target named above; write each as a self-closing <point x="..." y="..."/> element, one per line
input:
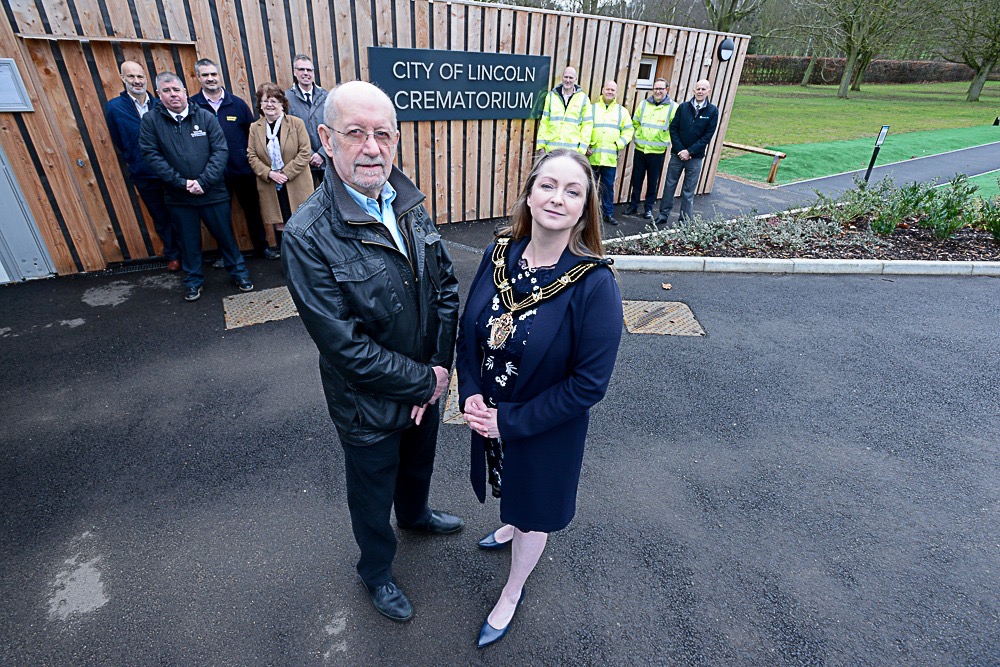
<point x="90" y="217"/>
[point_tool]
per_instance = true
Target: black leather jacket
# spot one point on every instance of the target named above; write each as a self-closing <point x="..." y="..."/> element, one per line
<point x="380" y="320"/>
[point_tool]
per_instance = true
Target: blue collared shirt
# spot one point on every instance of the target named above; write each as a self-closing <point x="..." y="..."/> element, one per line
<point x="384" y="213"/>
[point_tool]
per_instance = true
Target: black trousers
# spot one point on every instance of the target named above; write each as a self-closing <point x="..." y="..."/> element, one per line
<point x="245" y="189"/>
<point x="395" y="471"/>
<point x="648" y="167"/>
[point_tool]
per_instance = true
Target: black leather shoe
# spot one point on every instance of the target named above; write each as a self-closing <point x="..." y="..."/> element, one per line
<point x="245" y="284"/>
<point x="610" y="220"/>
<point x="489" y="635"/>
<point x="440" y="523"/>
<point x="631" y="210"/>
<point x="192" y="294"/>
<point x="390" y="601"/>
<point x="489" y="543"/>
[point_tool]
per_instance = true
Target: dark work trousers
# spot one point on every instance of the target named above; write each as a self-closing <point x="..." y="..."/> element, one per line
<point x="648" y="167"/>
<point x="151" y="192"/>
<point x="217" y="220"/>
<point x="394" y="471"/>
<point x="692" y="170"/>
<point x="244" y="187"/>
<point x="605" y="177"/>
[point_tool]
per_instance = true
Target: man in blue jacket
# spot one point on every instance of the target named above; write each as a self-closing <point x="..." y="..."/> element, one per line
<point x="184" y="145"/>
<point x="691" y="129"/>
<point x="123" y="115"/>
<point x="234" y="117"/>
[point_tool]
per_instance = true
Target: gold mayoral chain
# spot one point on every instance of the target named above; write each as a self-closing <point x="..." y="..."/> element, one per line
<point x="503" y="325"/>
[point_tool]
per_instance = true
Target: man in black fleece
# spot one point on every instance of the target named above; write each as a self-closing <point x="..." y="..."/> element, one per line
<point x="184" y="145"/>
<point x="690" y="131"/>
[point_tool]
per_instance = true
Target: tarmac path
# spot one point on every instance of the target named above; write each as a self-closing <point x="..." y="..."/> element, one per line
<point x="814" y="482"/>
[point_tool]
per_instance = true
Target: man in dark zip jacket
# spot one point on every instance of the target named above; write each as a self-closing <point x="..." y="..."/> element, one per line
<point x="691" y="129"/>
<point x="375" y="288"/>
<point x="234" y="118"/>
<point x="123" y="115"/>
<point x="183" y="145"/>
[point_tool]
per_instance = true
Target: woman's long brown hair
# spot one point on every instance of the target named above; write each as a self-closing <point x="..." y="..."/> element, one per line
<point x="585" y="239"/>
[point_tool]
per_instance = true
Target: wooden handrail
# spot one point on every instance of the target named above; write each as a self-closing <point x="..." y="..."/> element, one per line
<point x="777" y="155"/>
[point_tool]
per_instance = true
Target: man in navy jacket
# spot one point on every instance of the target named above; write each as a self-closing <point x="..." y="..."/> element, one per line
<point x="234" y="117"/>
<point x="691" y="129"/>
<point x="184" y="145"/>
<point x="123" y="115"/>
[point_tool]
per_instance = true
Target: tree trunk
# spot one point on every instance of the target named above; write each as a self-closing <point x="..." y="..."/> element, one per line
<point x="809" y="71"/>
<point x="864" y="60"/>
<point x="978" y="81"/>
<point x="845" y="80"/>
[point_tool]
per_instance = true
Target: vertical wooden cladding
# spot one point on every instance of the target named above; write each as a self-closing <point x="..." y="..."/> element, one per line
<point x="90" y="217"/>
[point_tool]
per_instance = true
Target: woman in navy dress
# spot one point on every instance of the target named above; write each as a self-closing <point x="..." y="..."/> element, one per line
<point x="537" y="345"/>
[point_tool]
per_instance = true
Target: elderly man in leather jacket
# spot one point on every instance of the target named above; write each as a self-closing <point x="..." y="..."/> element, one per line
<point x="376" y="290"/>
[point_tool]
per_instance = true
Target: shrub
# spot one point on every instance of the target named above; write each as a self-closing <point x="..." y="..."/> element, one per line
<point x="946" y="209"/>
<point x="763" y="69"/>
<point x="989" y="216"/>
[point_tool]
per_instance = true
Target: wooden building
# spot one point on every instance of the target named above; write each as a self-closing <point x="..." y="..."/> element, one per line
<point x="68" y="179"/>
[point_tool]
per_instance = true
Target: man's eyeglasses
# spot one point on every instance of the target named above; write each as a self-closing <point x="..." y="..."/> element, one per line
<point x="357" y="136"/>
<point x="659" y="90"/>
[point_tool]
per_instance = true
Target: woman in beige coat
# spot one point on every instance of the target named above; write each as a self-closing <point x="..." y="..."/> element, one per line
<point x="279" y="152"/>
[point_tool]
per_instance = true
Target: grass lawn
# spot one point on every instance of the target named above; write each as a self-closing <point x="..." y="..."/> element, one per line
<point x="989" y="186"/>
<point x="781" y="115"/>
<point x="824" y="135"/>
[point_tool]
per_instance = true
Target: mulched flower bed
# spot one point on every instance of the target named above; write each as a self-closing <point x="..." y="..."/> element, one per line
<point x="913" y="243"/>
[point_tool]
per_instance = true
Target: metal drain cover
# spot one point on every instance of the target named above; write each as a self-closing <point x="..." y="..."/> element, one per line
<point x="267" y="305"/>
<point x="669" y="318"/>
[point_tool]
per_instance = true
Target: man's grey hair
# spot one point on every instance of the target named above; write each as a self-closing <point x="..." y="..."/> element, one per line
<point x="301" y="56"/>
<point x="205" y="62"/>
<point x="659" y="79"/>
<point x="167" y="77"/>
<point x="330" y="109"/>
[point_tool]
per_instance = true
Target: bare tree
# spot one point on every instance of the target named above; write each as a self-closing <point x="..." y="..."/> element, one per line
<point x="724" y="15"/>
<point x="971" y="35"/>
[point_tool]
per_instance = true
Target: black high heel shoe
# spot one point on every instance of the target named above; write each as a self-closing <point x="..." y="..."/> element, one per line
<point x="489" y="635"/>
<point x="489" y="543"/>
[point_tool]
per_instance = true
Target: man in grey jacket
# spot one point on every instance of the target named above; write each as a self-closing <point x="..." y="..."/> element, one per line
<point x="306" y="100"/>
<point x="184" y="146"/>
<point x="375" y="288"/>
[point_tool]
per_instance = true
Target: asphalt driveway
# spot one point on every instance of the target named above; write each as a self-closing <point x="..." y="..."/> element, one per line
<point x="815" y="482"/>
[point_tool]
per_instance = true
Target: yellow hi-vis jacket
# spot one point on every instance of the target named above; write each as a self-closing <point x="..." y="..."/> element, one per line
<point x="565" y="125"/>
<point x="652" y="125"/>
<point x="612" y="132"/>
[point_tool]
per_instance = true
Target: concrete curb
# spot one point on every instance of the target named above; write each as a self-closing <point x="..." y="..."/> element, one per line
<point x="801" y="266"/>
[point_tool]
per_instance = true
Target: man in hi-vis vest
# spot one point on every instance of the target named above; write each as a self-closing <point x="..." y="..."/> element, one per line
<point x="652" y="139"/>
<point x="566" y="117"/>
<point x="612" y="132"/>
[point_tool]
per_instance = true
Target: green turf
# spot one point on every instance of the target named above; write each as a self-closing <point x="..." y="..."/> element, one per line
<point x="782" y="115"/>
<point x="989" y="186"/>
<point x="824" y="159"/>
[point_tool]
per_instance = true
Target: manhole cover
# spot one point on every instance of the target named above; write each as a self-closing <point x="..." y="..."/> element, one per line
<point x="266" y="305"/>
<point x="669" y="318"/>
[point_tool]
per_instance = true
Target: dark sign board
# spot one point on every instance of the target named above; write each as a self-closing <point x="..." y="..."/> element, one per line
<point x="429" y="84"/>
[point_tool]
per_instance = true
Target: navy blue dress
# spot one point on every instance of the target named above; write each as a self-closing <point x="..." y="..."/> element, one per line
<point x="565" y="366"/>
<point x="501" y="363"/>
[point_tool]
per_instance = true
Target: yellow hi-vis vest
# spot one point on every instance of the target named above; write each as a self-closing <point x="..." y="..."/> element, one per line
<point x="652" y="126"/>
<point x="612" y="132"/>
<point x="565" y="125"/>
